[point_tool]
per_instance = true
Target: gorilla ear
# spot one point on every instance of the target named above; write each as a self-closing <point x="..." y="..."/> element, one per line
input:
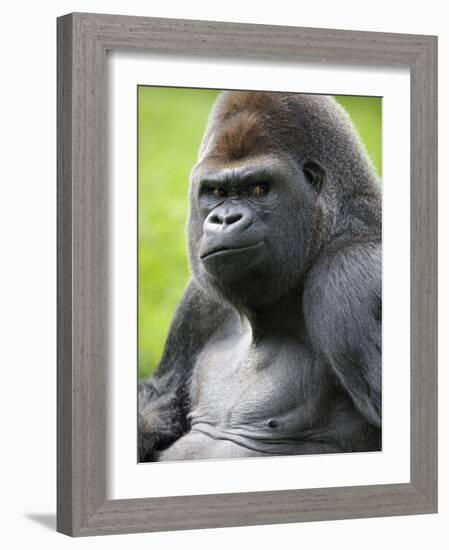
<point x="314" y="174"/>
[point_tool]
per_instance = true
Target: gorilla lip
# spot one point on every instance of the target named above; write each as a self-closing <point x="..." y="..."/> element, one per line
<point x="222" y="249"/>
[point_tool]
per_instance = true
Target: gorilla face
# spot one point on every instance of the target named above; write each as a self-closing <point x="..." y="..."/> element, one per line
<point x="250" y="222"/>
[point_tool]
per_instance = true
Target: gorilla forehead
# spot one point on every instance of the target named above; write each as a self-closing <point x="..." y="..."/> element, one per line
<point x="238" y="128"/>
<point x="242" y="136"/>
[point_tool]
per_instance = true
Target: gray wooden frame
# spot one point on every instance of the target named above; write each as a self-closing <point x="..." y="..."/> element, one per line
<point x="83" y="40"/>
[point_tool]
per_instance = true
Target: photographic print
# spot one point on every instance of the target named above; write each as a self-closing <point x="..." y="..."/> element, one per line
<point x="259" y="274"/>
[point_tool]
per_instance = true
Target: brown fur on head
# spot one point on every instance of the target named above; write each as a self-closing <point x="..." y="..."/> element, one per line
<point x="243" y="131"/>
<point x="243" y="135"/>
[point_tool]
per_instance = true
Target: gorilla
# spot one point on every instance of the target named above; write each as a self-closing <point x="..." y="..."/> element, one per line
<point x="275" y="347"/>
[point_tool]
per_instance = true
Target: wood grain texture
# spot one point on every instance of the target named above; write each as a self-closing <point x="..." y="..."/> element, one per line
<point x="64" y="277"/>
<point x="423" y="272"/>
<point x="83" y="40"/>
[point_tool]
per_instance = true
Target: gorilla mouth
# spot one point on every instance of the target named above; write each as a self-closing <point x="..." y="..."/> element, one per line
<point x="224" y="250"/>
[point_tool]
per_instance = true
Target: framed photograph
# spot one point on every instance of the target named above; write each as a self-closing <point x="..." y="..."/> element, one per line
<point x="247" y="281"/>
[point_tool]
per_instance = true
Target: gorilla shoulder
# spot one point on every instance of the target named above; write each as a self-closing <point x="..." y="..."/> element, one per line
<point x="343" y="313"/>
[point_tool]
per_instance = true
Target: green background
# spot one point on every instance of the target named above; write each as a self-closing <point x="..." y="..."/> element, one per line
<point x="171" y="122"/>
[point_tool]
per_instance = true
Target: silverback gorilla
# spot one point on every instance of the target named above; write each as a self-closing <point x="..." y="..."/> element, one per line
<point x="275" y="347"/>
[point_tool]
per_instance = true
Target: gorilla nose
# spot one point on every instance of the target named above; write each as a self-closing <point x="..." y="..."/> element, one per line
<point x="224" y="220"/>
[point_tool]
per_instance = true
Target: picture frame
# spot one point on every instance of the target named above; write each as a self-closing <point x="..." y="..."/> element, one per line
<point x="83" y="41"/>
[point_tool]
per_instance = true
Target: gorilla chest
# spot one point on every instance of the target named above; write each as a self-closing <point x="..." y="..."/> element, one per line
<point x="255" y="390"/>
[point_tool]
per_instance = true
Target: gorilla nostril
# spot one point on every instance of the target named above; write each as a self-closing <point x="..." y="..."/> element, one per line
<point x="232" y="218"/>
<point x="216" y="219"/>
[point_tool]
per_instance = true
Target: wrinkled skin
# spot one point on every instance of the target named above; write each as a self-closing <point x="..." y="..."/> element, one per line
<point x="275" y="348"/>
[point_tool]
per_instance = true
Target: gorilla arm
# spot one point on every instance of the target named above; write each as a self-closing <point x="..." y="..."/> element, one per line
<point x="342" y="308"/>
<point x="163" y="402"/>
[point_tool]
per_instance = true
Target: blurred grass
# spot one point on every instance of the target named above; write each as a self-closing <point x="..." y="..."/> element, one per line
<point x="366" y="114"/>
<point x="171" y="122"/>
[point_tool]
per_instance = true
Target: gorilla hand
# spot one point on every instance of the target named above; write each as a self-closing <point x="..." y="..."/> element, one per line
<point x="159" y="422"/>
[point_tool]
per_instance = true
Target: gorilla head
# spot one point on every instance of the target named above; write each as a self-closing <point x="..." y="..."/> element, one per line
<point x="279" y="176"/>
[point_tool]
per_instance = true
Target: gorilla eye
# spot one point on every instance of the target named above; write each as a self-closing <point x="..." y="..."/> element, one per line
<point x="313" y="174"/>
<point x="259" y="190"/>
<point x="219" y="192"/>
